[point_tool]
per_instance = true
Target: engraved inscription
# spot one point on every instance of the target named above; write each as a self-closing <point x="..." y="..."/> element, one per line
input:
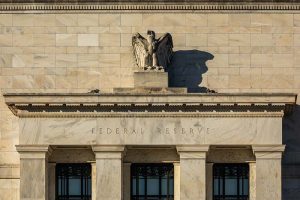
<point x="141" y="131"/>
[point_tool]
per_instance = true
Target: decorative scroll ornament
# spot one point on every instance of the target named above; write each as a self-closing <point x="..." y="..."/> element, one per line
<point x="150" y="53"/>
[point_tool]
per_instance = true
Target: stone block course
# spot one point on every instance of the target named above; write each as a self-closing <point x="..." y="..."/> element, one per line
<point x="88" y="60"/>
<point x="109" y="40"/>
<point x="261" y="40"/>
<point x="240" y="81"/>
<point x="44" y="20"/>
<point x="23" y="40"/>
<point x="23" y="20"/>
<point x="6" y="20"/>
<point x="88" y="40"/>
<point x="239" y="39"/>
<point x="66" y="40"/>
<point x="6" y="40"/>
<point x="217" y="20"/>
<point x="282" y="20"/>
<point x="239" y="20"/>
<point x="65" y="60"/>
<point x="22" y="60"/>
<point x="194" y="40"/>
<point x="44" y="40"/>
<point x="131" y="19"/>
<point x="283" y="40"/>
<point x="177" y="19"/>
<point x="66" y="19"/>
<point x="150" y="20"/>
<point x="239" y="60"/>
<point x="109" y="20"/>
<point x="88" y="20"/>
<point x="218" y="40"/>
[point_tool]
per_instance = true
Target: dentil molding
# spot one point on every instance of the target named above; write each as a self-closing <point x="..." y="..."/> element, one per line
<point x="27" y="6"/>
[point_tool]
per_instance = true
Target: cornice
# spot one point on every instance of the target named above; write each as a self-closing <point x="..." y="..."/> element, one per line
<point x="149" y="105"/>
<point x="151" y="6"/>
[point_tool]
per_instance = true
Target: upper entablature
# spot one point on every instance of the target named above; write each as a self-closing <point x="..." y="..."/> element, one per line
<point x="77" y="6"/>
<point x="150" y="105"/>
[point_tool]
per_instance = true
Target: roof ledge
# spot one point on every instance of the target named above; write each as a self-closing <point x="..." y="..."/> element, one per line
<point x="150" y="105"/>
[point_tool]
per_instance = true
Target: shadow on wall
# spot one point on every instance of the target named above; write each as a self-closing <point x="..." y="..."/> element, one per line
<point x="291" y="156"/>
<point x="186" y="69"/>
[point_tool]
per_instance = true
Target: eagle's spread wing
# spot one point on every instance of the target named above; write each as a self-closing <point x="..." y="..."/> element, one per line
<point x="164" y="50"/>
<point x="139" y="44"/>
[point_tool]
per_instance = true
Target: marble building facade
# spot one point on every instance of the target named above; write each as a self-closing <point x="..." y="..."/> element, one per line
<point x="228" y="97"/>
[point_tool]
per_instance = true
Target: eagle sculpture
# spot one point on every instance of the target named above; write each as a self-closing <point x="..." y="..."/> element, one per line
<point x="152" y="54"/>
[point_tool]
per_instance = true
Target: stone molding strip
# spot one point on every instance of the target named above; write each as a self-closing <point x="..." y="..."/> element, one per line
<point x="143" y="98"/>
<point x="9" y="171"/>
<point x="148" y="115"/>
<point x="142" y="7"/>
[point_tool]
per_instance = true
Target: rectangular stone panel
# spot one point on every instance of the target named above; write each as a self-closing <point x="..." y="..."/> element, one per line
<point x="150" y="131"/>
<point x="151" y="79"/>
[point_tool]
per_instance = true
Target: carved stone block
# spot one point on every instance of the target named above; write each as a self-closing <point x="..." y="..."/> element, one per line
<point x="150" y="79"/>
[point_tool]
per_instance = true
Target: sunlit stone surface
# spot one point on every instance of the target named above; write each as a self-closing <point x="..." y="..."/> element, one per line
<point x="64" y="51"/>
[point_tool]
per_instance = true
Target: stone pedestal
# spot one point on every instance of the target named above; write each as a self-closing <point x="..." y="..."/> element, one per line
<point x="33" y="171"/>
<point x="268" y="171"/>
<point x="148" y="79"/>
<point x="109" y="172"/>
<point x="192" y="172"/>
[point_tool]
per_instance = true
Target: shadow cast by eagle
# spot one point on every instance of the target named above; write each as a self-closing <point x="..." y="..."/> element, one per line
<point x="186" y="70"/>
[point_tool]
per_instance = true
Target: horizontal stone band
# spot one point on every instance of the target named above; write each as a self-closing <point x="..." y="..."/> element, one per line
<point x="146" y="7"/>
